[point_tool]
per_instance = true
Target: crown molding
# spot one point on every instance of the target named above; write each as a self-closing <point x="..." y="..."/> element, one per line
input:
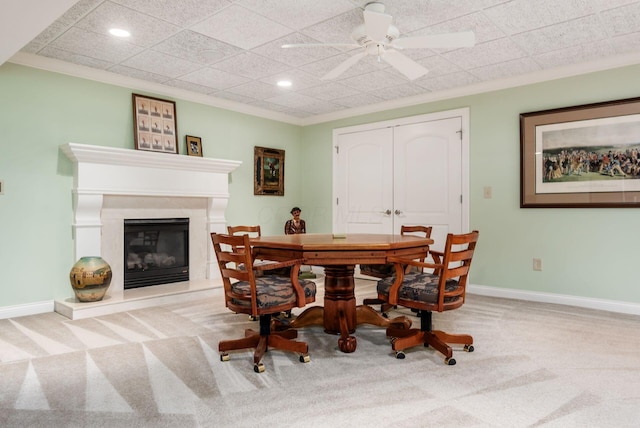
<point x="51" y="64"/>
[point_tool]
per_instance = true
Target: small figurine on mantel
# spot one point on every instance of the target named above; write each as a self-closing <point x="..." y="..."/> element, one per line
<point x="296" y="226"/>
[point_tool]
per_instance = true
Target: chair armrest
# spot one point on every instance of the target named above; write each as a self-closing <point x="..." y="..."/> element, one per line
<point x="411" y="262"/>
<point x="277" y="265"/>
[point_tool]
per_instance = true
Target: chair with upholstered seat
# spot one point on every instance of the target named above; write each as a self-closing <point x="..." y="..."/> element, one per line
<point x="442" y="290"/>
<point x="388" y="270"/>
<point x="261" y="297"/>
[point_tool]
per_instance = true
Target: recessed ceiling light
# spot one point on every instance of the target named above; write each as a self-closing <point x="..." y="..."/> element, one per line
<point x="284" y="83"/>
<point x="118" y="32"/>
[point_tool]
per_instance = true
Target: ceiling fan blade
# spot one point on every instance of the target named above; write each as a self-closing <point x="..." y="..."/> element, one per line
<point x="312" y="45"/>
<point x="463" y="39"/>
<point x="343" y="66"/>
<point x="404" y="64"/>
<point x="377" y="25"/>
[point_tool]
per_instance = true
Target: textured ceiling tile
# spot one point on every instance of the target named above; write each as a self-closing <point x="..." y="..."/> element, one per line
<point x="241" y="27"/>
<point x="506" y="69"/>
<point x="257" y="90"/>
<point x="234" y="97"/>
<point x="139" y="74"/>
<point x="95" y="45"/>
<point x="524" y="15"/>
<point x="145" y="30"/>
<point x="250" y="65"/>
<point x="574" y="54"/>
<point x="329" y="91"/>
<point x="448" y="81"/>
<point x="159" y="63"/>
<point x="188" y="86"/>
<point x="337" y="29"/>
<point x="626" y="44"/>
<point x="295" y="56"/>
<point x="358" y="100"/>
<point x="621" y="21"/>
<point x="60" y="54"/>
<point x="411" y="15"/>
<point x="182" y="12"/>
<point x="196" y="47"/>
<point x="298" y="14"/>
<point x="320" y="107"/>
<point x="375" y="80"/>
<point x="291" y="100"/>
<point x="400" y="91"/>
<point x="215" y="79"/>
<point x="572" y="33"/>
<point x="492" y="52"/>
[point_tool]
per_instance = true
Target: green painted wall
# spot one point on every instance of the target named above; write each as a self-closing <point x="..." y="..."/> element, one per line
<point x="591" y="253"/>
<point x="586" y="252"/>
<point x="39" y="111"/>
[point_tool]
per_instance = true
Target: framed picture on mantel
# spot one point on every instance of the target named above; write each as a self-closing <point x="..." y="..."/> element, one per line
<point x="154" y="124"/>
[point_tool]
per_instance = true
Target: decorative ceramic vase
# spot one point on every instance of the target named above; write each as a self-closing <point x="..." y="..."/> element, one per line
<point x="90" y="278"/>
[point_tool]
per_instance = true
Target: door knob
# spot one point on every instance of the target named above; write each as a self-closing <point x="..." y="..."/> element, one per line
<point x="398" y="212"/>
<point x="387" y="212"/>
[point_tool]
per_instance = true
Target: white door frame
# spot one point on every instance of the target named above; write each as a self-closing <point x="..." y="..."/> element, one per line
<point x="463" y="113"/>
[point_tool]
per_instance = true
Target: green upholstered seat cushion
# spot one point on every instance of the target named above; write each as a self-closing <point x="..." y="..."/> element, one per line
<point x="419" y="287"/>
<point x="274" y="291"/>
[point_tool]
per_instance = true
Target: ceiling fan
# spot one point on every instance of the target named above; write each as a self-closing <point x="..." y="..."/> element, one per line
<point x="380" y="38"/>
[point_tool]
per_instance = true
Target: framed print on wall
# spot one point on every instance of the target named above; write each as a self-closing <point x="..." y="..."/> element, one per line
<point x="154" y="123"/>
<point x="585" y="156"/>
<point x="194" y="145"/>
<point x="268" y="171"/>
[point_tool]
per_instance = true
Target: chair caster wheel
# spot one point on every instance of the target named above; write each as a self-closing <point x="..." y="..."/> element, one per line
<point x="468" y="348"/>
<point x="224" y="357"/>
<point x="258" y="368"/>
<point x="450" y="361"/>
<point x="400" y="355"/>
<point x="305" y="358"/>
<point x="252" y="318"/>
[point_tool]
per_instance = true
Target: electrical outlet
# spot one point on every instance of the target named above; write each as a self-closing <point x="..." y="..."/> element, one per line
<point x="488" y="192"/>
<point x="537" y="264"/>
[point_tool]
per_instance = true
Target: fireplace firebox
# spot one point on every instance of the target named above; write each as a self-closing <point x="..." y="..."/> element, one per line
<point x="156" y="251"/>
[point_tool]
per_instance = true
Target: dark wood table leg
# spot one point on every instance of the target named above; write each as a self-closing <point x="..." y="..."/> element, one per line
<point x="340" y="315"/>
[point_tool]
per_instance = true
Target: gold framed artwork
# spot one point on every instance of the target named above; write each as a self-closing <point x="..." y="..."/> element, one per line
<point x="154" y="123"/>
<point x="586" y="156"/>
<point x="268" y="171"/>
<point x="194" y="145"/>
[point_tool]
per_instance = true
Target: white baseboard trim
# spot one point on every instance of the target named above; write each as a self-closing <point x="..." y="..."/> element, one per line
<point x="26" y="309"/>
<point x="560" y="299"/>
<point x="481" y="290"/>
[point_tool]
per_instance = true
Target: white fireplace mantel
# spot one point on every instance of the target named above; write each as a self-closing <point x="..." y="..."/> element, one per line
<point x="101" y="172"/>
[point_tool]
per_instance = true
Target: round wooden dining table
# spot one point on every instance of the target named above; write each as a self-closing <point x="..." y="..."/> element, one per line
<point x="339" y="254"/>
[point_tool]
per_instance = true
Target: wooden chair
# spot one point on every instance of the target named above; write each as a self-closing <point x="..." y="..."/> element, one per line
<point x="388" y="270"/>
<point x="260" y="297"/>
<point x="442" y="290"/>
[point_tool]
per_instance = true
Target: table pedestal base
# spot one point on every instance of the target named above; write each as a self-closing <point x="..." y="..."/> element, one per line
<point x="340" y="315"/>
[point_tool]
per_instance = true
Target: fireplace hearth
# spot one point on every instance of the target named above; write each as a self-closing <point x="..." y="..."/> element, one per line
<point x="156" y="251"/>
<point x="111" y="185"/>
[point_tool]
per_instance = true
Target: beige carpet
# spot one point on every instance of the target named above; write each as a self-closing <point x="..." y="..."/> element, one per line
<point x="534" y="365"/>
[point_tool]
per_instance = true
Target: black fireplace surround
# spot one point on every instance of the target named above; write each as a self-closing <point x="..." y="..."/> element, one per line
<point x="156" y="251"/>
